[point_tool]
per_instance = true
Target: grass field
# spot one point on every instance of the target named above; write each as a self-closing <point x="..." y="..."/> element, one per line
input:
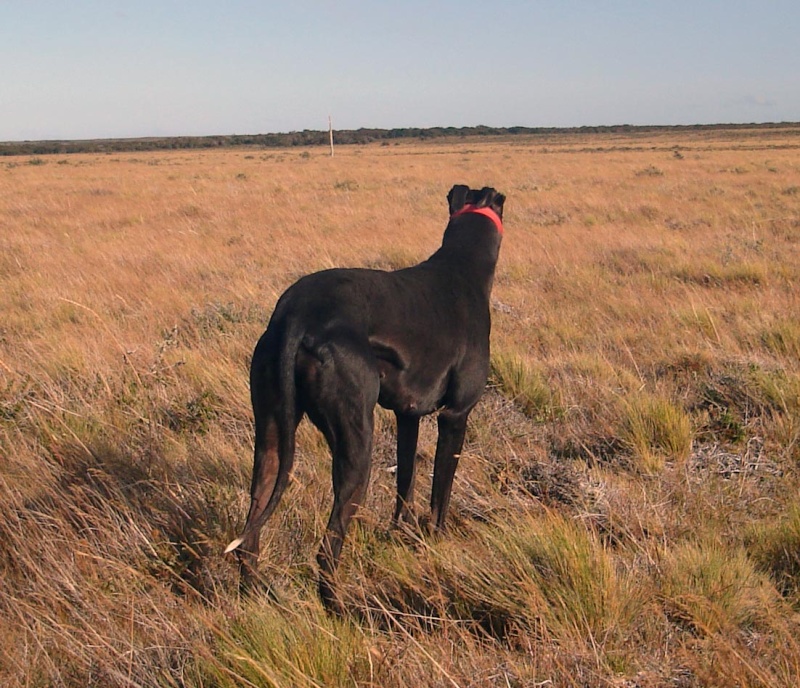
<point x="626" y="510"/>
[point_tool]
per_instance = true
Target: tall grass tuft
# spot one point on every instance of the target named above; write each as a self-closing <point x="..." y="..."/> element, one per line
<point x="655" y="430"/>
<point x="520" y="575"/>
<point x="267" y="645"/>
<point x="783" y="338"/>
<point x="523" y="385"/>
<point x="715" y="588"/>
<point x="561" y="575"/>
<point x="775" y="546"/>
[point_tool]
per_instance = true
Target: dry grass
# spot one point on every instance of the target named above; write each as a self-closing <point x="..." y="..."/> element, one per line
<point x="625" y="512"/>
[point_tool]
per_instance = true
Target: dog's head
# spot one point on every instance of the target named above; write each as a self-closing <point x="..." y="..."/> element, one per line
<point x="469" y="242"/>
<point x="461" y="196"/>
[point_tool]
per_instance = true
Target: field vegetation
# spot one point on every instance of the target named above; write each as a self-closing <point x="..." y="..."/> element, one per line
<point x="626" y="509"/>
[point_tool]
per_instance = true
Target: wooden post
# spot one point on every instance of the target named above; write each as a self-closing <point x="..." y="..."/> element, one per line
<point x="330" y="133"/>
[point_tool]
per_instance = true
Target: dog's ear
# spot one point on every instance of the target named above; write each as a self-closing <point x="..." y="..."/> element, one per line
<point x="488" y="197"/>
<point x="457" y="197"/>
<point x="497" y="204"/>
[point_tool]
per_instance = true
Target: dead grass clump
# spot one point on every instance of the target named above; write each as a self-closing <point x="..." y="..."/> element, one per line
<point x="394" y="258"/>
<point x="76" y="562"/>
<point x="655" y="430"/>
<point x="716" y="588"/>
<point x="554" y="482"/>
<point x="525" y="386"/>
<point x="775" y="546"/>
<point x="732" y="275"/>
<point x="734" y="398"/>
<point x="650" y="171"/>
<point x="541" y="575"/>
<point x="266" y="644"/>
<point x="583" y="592"/>
<point x="783" y="339"/>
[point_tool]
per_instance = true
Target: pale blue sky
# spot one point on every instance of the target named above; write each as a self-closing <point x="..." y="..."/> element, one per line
<point x="105" y="68"/>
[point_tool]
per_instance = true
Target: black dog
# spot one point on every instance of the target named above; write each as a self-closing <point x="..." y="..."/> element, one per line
<point x="414" y="340"/>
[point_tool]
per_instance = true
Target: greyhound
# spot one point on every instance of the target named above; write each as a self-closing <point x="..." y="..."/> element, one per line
<point x="414" y="340"/>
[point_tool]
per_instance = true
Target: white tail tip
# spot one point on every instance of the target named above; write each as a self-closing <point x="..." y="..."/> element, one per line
<point x="234" y="545"/>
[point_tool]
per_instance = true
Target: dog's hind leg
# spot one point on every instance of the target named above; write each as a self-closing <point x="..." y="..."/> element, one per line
<point x="341" y="405"/>
<point x="351" y="469"/>
<point x="452" y="428"/>
<point x="407" y="435"/>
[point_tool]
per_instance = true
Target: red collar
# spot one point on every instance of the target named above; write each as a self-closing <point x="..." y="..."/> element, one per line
<point x="487" y="212"/>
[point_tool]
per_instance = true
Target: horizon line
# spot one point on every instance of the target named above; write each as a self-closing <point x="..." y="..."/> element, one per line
<point x="490" y="130"/>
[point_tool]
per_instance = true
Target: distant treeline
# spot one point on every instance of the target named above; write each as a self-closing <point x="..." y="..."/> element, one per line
<point x="343" y="137"/>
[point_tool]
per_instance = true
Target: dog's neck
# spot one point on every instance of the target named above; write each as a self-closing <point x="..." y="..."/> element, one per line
<point x="469" y="248"/>
<point x="486" y="211"/>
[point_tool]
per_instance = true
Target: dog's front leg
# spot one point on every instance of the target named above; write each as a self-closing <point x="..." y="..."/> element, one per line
<point x="407" y="434"/>
<point x="452" y="428"/>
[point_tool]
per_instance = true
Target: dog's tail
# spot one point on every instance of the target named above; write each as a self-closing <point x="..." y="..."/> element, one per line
<point x="286" y="418"/>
